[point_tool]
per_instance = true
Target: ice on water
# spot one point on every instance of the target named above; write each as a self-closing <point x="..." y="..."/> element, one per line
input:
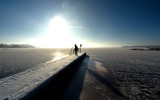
<point x="137" y="71"/>
<point x="13" y="60"/>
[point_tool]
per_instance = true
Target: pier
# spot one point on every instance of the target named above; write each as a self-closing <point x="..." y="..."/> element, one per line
<point x="27" y="84"/>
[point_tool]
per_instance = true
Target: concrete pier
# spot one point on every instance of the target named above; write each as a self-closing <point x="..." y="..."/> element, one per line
<point x="27" y="84"/>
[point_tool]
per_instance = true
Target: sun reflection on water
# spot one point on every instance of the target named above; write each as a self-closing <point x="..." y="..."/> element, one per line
<point x="58" y="55"/>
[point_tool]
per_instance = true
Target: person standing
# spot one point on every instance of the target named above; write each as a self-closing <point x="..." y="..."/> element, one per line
<point x="76" y="49"/>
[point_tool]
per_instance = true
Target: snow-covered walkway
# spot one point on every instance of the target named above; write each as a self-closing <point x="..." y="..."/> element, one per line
<point x="21" y="84"/>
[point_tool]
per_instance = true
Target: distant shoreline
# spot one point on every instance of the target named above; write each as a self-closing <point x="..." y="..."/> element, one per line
<point x="16" y="46"/>
<point x="147" y="49"/>
<point x="144" y="48"/>
<point x="147" y="46"/>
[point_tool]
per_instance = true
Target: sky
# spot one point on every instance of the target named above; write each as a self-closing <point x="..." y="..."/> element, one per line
<point x="92" y="23"/>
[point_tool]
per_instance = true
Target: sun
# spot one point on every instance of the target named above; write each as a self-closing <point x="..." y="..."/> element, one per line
<point x="57" y="35"/>
<point x="58" y="27"/>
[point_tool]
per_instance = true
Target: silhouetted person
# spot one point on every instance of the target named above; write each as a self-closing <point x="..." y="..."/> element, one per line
<point x="76" y="49"/>
<point x="80" y="47"/>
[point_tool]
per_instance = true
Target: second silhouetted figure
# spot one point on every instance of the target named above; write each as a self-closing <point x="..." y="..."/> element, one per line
<point x="76" y="49"/>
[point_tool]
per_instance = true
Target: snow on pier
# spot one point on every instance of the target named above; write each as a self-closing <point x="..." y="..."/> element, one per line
<point x="25" y="83"/>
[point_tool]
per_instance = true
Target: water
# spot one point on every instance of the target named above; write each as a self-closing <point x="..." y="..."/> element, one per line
<point x="14" y="60"/>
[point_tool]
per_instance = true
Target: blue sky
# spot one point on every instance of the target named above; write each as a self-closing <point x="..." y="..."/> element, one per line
<point x="93" y="22"/>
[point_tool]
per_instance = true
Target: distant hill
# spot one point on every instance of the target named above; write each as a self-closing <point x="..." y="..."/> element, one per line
<point x="148" y="46"/>
<point x="16" y="46"/>
<point x="144" y="48"/>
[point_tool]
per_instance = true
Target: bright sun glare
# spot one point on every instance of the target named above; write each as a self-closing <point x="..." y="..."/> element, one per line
<point x="57" y="36"/>
<point x="58" y="27"/>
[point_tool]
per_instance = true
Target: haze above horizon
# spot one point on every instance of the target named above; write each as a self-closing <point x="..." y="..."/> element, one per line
<point x="92" y="23"/>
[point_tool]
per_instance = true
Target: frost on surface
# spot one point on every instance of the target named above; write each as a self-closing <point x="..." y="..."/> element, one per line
<point x="20" y="84"/>
<point x="13" y="60"/>
<point x="137" y="71"/>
